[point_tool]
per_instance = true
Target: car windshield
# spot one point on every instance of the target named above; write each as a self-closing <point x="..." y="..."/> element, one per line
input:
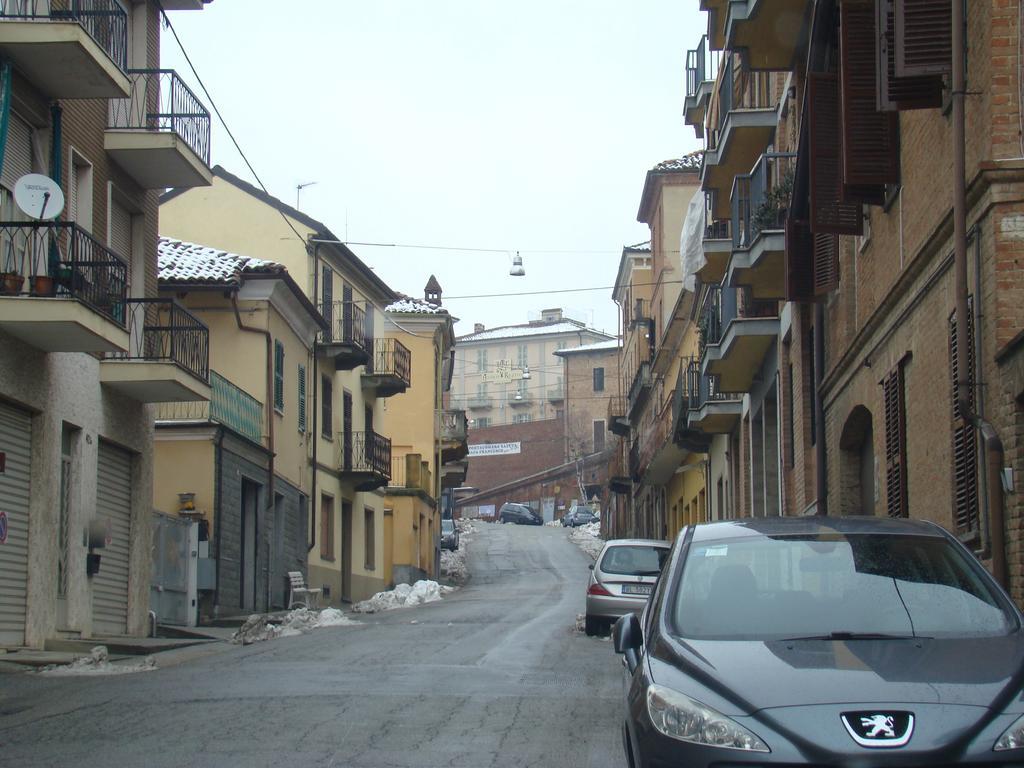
<point x="447" y="526"/>
<point x="775" y="587"/>
<point x="634" y="560"/>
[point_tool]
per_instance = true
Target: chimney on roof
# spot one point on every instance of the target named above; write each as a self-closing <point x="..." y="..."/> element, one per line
<point x="551" y="315"/>
<point x="432" y="292"/>
<point x="478" y="327"/>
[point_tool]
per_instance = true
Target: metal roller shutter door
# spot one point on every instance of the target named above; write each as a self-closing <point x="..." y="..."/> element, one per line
<point x="114" y="509"/>
<point x="17" y="153"/>
<point x="16" y="443"/>
<point x="121" y="231"/>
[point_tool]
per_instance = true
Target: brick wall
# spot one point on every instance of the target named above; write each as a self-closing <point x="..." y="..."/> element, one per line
<point x="583" y="405"/>
<point x="540" y="450"/>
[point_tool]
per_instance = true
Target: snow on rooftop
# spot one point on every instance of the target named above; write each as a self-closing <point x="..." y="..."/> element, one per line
<point x="183" y="262"/>
<point x="644" y="246"/>
<point x="415" y="306"/>
<point x="518" y="331"/>
<point x="595" y="347"/>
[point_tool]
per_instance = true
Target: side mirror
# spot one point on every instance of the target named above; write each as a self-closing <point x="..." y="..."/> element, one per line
<point x="627" y="638"/>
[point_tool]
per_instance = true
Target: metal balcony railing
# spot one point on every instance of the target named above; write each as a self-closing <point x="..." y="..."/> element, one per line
<point x="740" y="200"/>
<point x="104" y="20"/>
<point x="616" y="408"/>
<point x="556" y="393"/>
<point x="718" y="311"/>
<point x="771" y="187"/>
<point x="702" y="65"/>
<point x="364" y="452"/>
<point x="229" y="405"/>
<point x="641" y="384"/>
<point x="391" y="358"/>
<point x="347" y="324"/>
<point x="69" y="260"/>
<point x="714" y="229"/>
<point x="162" y="329"/>
<point x="708" y="392"/>
<point x="741" y="89"/>
<point x="453" y="425"/>
<point x="160" y="101"/>
<point x="479" y="401"/>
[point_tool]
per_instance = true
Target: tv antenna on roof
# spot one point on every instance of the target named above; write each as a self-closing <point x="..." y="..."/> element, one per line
<point x="298" y="189"/>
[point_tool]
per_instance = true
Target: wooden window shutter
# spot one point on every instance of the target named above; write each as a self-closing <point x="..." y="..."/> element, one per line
<point x="924" y="37"/>
<point x="895" y="443"/>
<point x="870" y="137"/>
<point x="829" y="213"/>
<point x="894" y="92"/>
<point x="964" y="439"/>
<point x="826" y="263"/>
<point x="799" y="261"/>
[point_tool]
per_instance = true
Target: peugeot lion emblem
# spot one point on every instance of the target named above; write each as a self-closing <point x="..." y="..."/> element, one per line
<point x="879" y="729"/>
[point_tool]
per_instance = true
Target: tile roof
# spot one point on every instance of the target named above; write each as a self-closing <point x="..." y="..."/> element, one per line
<point x="690" y="162"/>
<point x="644" y="247"/>
<point x="538" y="329"/>
<point x="183" y="262"/>
<point x="410" y="305"/>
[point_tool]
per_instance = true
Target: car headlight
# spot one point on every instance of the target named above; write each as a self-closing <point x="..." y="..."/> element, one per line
<point x="680" y="717"/>
<point x="1013" y="737"/>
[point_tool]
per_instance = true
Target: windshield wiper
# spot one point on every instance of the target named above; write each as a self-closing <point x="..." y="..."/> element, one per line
<point x="857" y="636"/>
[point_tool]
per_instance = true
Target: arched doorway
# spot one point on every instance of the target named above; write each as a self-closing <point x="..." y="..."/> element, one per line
<point x="857" y="464"/>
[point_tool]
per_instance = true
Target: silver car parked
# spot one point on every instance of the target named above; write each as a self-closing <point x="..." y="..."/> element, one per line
<point x="621" y="580"/>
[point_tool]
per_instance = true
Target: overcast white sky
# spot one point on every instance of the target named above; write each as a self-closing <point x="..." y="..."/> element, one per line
<point x="527" y="125"/>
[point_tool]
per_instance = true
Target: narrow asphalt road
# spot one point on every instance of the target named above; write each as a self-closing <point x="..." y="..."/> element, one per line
<point x="493" y="675"/>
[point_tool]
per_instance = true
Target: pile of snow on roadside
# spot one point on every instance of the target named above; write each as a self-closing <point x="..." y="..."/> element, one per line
<point x="453" y="563"/>
<point x="553" y="523"/>
<point x="297" y="622"/>
<point x="97" y="663"/>
<point x="403" y="596"/>
<point x="588" y="538"/>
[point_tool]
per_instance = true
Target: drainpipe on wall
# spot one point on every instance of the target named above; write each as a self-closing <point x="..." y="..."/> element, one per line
<point x="821" y="475"/>
<point x="270" y="406"/>
<point x="316" y="390"/>
<point x="993" y="446"/>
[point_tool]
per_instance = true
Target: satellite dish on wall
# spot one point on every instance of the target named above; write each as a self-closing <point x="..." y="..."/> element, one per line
<point x="38" y="196"/>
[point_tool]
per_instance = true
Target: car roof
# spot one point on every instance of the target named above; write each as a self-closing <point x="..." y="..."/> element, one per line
<point x="810" y="525"/>
<point x="636" y="542"/>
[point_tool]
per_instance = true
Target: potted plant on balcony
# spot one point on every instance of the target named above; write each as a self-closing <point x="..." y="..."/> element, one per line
<point x="771" y="212"/>
<point x="11" y="278"/>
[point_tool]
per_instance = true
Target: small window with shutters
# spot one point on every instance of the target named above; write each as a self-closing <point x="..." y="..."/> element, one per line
<point x="279" y="377"/>
<point x="964" y="438"/>
<point x="903" y="91"/>
<point x="326" y="407"/>
<point x="302" y="398"/>
<point x="893" y="389"/>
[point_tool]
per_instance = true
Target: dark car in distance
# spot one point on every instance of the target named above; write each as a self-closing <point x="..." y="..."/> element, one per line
<point x="867" y="642"/>
<point x="520" y="514"/>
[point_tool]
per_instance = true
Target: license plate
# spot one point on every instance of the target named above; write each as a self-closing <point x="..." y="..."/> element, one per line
<point x="636" y="589"/>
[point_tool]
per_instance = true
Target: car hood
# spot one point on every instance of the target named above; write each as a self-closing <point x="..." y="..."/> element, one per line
<point x="746" y="676"/>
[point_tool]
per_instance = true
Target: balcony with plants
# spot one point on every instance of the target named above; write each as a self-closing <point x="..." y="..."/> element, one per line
<point x="738" y="338"/>
<point x="760" y="203"/>
<point x="168" y="358"/>
<point x="741" y="124"/>
<point x="453" y="434"/>
<point x="345" y="342"/>
<point x="389" y="371"/>
<point x="364" y="459"/>
<point x="160" y="134"/>
<point x="61" y="290"/>
<point x="68" y="49"/>
<point x="229" y="405"/>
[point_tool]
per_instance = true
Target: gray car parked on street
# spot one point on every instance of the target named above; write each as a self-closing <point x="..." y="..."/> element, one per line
<point x="788" y="641"/>
<point x="621" y="579"/>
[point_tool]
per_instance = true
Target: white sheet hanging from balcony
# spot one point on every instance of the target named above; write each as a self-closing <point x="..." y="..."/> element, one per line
<point x="691" y="248"/>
